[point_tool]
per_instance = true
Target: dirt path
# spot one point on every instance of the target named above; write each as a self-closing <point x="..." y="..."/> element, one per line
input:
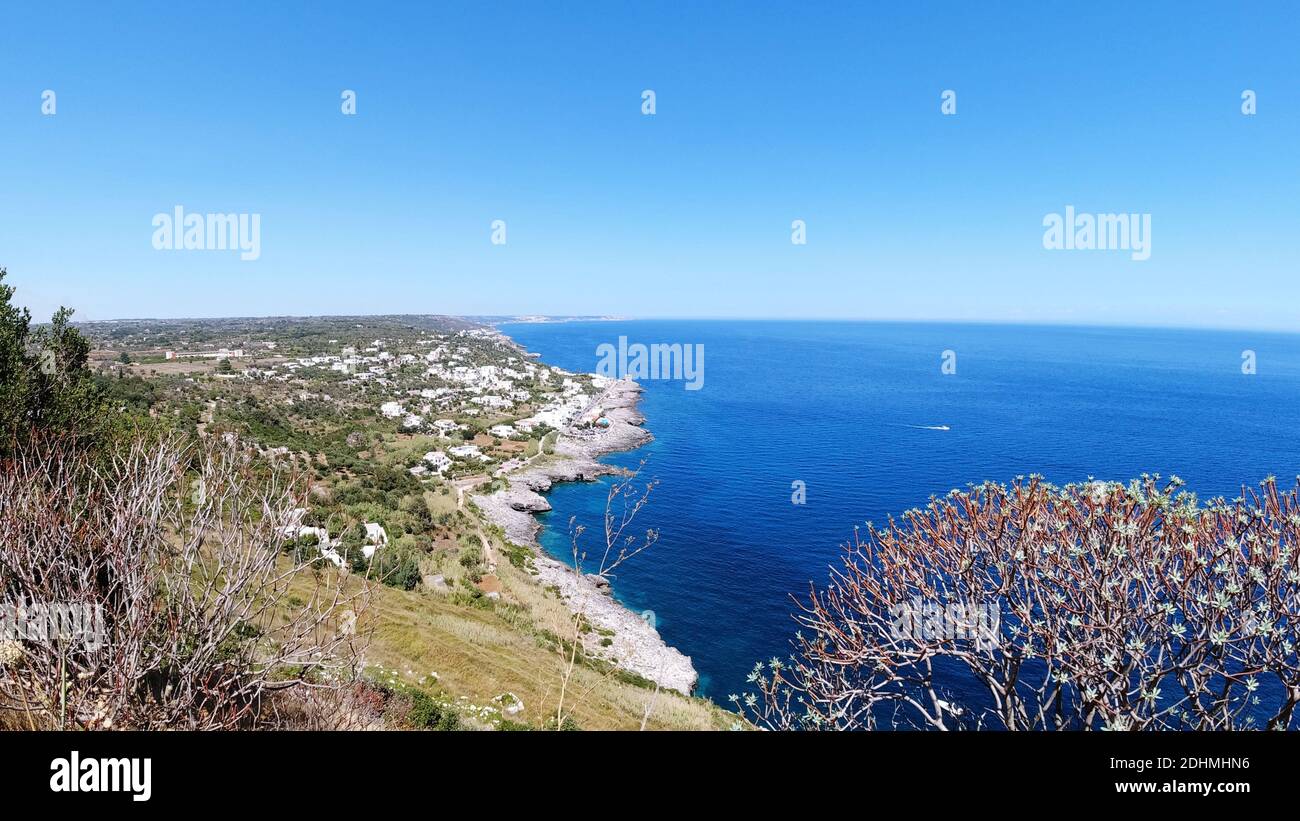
<point x="488" y="556"/>
<point x="205" y="418"/>
<point x="465" y="484"/>
<point x="462" y="485"/>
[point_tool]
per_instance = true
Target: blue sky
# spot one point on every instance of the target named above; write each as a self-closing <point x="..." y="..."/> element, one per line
<point x="766" y="113"/>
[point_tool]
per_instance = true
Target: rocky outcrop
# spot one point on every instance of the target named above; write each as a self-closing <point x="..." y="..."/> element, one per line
<point x="574" y="460"/>
<point x="633" y="642"/>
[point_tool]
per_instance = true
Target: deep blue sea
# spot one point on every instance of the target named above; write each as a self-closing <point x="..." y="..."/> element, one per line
<point x="844" y="407"/>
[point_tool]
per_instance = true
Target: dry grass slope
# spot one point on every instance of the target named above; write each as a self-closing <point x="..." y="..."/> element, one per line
<point x="483" y="648"/>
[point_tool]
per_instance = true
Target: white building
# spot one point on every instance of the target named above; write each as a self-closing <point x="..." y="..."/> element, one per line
<point x="468" y="452"/>
<point x="492" y="401"/>
<point x="438" y="460"/>
<point x="376" y="537"/>
<point x="445" y="426"/>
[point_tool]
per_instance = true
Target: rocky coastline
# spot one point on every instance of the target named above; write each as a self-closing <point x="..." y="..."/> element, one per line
<point x="634" y="645"/>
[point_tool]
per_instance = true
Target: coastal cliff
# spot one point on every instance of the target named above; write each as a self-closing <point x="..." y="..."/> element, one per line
<point x="635" y="645"/>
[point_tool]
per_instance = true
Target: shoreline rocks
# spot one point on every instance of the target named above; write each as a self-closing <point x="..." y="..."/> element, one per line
<point x="632" y="641"/>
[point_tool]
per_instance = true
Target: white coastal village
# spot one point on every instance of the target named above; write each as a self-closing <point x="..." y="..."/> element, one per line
<point x="428" y="444"/>
<point x="555" y="400"/>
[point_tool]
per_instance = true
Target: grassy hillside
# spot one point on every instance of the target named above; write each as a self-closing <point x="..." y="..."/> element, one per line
<point x="481" y="648"/>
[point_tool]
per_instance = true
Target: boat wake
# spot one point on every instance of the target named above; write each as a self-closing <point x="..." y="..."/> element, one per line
<point x="928" y="427"/>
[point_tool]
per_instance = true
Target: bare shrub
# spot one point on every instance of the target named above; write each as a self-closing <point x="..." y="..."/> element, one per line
<point x="624" y="500"/>
<point x="1118" y="607"/>
<point x="178" y="548"/>
<point x="356" y="706"/>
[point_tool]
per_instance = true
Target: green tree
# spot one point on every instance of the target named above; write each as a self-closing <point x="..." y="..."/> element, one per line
<point x="44" y="382"/>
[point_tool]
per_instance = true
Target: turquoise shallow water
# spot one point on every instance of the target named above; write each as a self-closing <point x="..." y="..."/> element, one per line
<point x="847" y="409"/>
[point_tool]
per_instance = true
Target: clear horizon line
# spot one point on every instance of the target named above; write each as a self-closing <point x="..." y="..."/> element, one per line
<point x="521" y="318"/>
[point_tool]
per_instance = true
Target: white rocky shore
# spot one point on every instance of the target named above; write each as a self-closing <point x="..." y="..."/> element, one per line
<point x="636" y="645"/>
